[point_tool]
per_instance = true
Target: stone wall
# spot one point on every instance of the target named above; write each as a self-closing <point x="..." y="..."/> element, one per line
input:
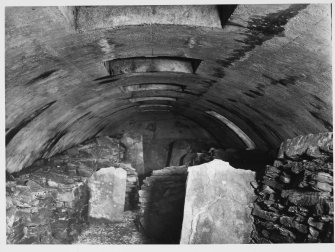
<point x="45" y="206"/>
<point x="295" y="198"/>
<point x="48" y="202"/>
<point x="161" y="199"/>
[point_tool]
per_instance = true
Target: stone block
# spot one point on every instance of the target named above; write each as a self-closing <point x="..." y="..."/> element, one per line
<point x="272" y="171"/>
<point x="285" y="178"/>
<point x="107" y="194"/>
<point x="323" y="177"/>
<point x="320" y="186"/>
<point x="286" y="221"/>
<point x="314" y="232"/>
<point x="218" y="204"/>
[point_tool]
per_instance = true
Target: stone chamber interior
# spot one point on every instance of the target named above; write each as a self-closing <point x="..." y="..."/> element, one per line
<point x="207" y="124"/>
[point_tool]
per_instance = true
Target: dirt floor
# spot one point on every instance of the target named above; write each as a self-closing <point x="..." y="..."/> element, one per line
<point x="124" y="232"/>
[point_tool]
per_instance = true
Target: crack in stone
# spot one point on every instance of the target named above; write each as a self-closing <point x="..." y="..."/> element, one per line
<point x="197" y="216"/>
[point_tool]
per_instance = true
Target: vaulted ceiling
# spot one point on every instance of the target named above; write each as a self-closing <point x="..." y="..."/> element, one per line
<point x="73" y="71"/>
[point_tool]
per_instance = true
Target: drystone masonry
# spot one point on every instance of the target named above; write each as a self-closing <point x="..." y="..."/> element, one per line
<point x="295" y="199"/>
<point x="45" y="206"/>
<point x="48" y="202"/>
<point x="161" y="200"/>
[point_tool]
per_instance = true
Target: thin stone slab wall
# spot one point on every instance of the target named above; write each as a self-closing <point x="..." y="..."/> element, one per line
<point x="218" y="204"/>
<point x="161" y="199"/>
<point x="295" y="199"/>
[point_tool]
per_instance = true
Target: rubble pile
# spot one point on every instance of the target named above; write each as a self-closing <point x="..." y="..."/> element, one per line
<point x="45" y="207"/>
<point x="48" y="202"/>
<point x="295" y="197"/>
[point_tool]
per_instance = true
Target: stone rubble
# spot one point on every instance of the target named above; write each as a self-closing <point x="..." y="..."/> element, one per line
<point x="295" y="198"/>
<point x="50" y="212"/>
<point x="48" y="202"/>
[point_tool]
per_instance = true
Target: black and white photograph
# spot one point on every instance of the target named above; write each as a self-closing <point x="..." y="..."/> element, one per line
<point x="141" y="123"/>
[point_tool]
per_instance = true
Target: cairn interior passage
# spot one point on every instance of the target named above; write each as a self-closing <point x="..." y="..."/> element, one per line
<point x="169" y="124"/>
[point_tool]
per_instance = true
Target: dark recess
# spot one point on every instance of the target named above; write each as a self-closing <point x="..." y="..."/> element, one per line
<point x="225" y="11"/>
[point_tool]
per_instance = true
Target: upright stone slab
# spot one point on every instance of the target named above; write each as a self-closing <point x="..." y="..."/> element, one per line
<point x="218" y="204"/>
<point x="107" y="194"/>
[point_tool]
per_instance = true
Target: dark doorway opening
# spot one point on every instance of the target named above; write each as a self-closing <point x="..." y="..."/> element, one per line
<point x="162" y="198"/>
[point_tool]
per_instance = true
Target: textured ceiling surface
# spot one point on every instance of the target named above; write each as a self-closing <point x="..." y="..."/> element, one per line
<point x="266" y="68"/>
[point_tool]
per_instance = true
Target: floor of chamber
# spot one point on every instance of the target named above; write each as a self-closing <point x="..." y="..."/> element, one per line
<point x="124" y="232"/>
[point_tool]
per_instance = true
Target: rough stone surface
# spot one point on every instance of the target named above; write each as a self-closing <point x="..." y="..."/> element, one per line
<point x="311" y="145"/>
<point x="306" y="212"/>
<point x="48" y="202"/>
<point x="217" y="204"/>
<point x="107" y="194"/>
<point x="37" y="213"/>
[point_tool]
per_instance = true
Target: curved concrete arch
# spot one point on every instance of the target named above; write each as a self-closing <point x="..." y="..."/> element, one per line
<point x="266" y="68"/>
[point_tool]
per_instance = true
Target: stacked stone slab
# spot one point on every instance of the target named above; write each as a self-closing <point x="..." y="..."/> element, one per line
<point x="48" y="201"/>
<point x="295" y="198"/>
<point x="45" y="207"/>
<point x="161" y="198"/>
